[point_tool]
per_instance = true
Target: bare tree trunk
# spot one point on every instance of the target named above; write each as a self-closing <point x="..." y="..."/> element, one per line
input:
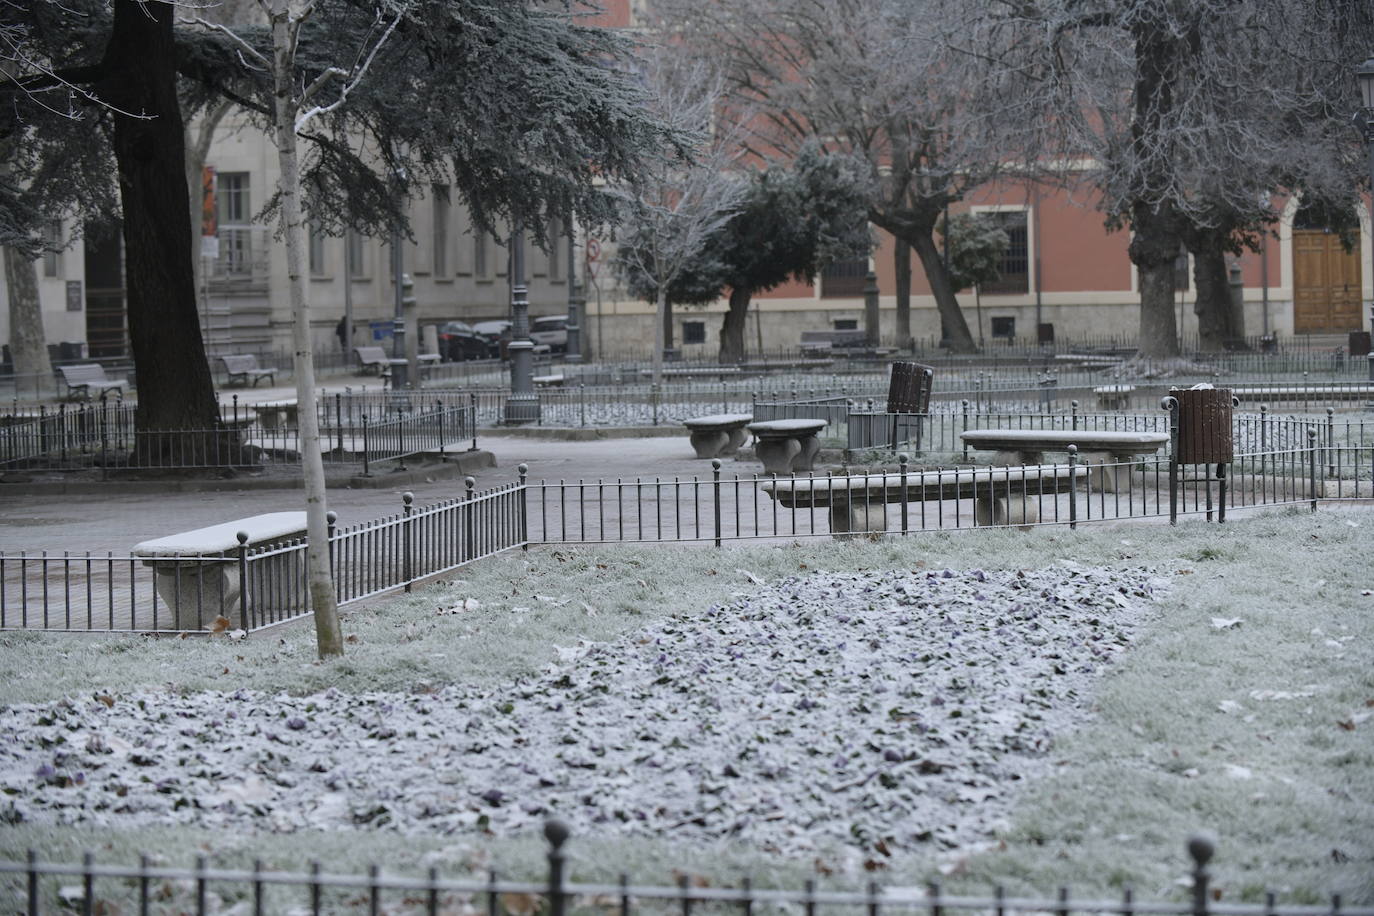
<point x="667" y="325"/>
<point x="28" y="341"/>
<point x="960" y="340"/>
<point x="1153" y="250"/>
<point x="733" y="327"/>
<point x="175" y="391"/>
<point x="1213" y="304"/>
<point x="660" y="315"/>
<point x="323" y="601"/>
<point x="901" y="260"/>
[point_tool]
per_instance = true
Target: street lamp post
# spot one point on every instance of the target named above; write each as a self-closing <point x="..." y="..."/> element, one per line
<point x="523" y="404"/>
<point x="1365" y="74"/>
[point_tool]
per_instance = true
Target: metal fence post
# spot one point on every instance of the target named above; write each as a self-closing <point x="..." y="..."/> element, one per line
<point x="1201" y="848"/>
<point x="245" y="604"/>
<point x="1171" y="404"/>
<point x="902" y="461"/>
<point x="582" y="400"/>
<point x="1073" y="487"/>
<point x="407" y="540"/>
<point x="1312" y="465"/>
<point x="367" y="469"/>
<point x="1073" y="413"/>
<point x="964" y="404"/>
<point x="1330" y="442"/>
<point x="331" y="519"/>
<point x="524" y="507"/>
<point x="401" y="438"/>
<point x="468" y="550"/>
<point x="439" y="409"/>
<point x="556" y="832"/>
<point x="472" y="417"/>
<point x="338" y="419"/>
<point x="715" y="497"/>
<point x="653" y="399"/>
<point x="32" y="859"/>
<point x="1264" y="437"/>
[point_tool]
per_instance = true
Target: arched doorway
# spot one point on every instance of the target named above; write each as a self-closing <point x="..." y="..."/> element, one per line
<point x="1326" y="275"/>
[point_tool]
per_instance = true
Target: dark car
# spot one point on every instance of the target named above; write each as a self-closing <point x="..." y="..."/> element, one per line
<point x="458" y="341"/>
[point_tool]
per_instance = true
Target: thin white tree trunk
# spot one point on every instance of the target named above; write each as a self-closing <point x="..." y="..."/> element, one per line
<point x="323" y="602"/>
<point x="28" y="342"/>
<point x="660" y="312"/>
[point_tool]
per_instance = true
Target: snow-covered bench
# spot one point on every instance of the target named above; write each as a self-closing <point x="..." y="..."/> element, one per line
<point x="719" y="435"/>
<point x="244" y="368"/>
<point x="548" y="381"/>
<point x="1109" y="452"/>
<point x="88" y="377"/>
<point x="785" y="446"/>
<point x="857" y="503"/>
<point x="197" y="571"/>
<point x="276" y="414"/>
<point x="1113" y="397"/>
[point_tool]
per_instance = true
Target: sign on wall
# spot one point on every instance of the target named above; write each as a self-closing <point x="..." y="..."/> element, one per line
<point x="75" y="300"/>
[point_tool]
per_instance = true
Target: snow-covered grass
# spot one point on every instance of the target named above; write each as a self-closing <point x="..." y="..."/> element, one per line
<point x="1241" y="707"/>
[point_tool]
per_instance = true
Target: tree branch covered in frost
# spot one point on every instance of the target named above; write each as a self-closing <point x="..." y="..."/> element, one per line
<point x="678" y="204"/>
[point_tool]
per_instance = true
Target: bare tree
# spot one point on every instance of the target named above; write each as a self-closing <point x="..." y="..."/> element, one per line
<point x="1194" y="112"/>
<point x="876" y="79"/>
<point x="671" y="213"/>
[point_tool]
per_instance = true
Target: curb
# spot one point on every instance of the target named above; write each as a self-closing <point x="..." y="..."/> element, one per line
<point x="587" y="433"/>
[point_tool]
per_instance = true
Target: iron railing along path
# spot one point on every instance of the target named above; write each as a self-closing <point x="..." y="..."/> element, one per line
<point x="147" y="888"/>
<point x="81" y="592"/>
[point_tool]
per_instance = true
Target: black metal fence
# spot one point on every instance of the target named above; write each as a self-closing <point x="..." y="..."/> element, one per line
<point x="146" y="888"/>
<point x="1278" y="461"/>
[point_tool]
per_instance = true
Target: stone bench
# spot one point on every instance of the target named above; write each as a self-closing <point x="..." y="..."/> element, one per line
<point x="786" y="446"/>
<point x="1108" y="452"/>
<point x="548" y="381"/>
<point x="719" y="435"/>
<point x="1113" y="397"/>
<point x="1303" y="392"/>
<point x="858" y="503"/>
<point x="197" y="572"/>
<point x="276" y="414"/>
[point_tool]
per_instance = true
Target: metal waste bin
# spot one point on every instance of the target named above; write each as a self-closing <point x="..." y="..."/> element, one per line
<point x="909" y="389"/>
<point x="1204" y="426"/>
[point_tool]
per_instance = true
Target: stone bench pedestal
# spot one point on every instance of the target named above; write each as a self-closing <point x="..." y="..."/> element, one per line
<point x="787" y="446"/>
<point x="719" y="435"/>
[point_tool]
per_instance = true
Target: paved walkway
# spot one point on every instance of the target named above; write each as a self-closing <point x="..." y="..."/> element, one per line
<point x="117" y="521"/>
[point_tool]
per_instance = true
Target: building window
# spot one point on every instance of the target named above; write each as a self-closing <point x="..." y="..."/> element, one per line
<point x="52" y="248"/>
<point x="693" y="332"/>
<point x="234" y="200"/>
<point x="846" y="324"/>
<point x="1004" y="327"/>
<point x="317" y="265"/>
<point x="1014" y="268"/>
<point x="480" y="267"/>
<point x="442" y="217"/>
<point x="357" y="256"/>
<point x="844" y="278"/>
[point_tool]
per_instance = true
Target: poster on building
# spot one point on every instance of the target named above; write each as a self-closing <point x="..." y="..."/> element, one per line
<point x="74" y="298"/>
<point x="209" y="226"/>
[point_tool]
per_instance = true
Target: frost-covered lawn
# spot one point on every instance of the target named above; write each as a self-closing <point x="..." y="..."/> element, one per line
<point x="1036" y="708"/>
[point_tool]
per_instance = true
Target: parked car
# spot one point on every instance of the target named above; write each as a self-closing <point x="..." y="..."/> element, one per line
<point x="551" y="330"/>
<point x="458" y="341"/>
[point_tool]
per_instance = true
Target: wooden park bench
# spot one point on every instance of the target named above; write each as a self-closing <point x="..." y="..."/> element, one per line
<point x="787" y="446"/>
<point x="197" y="572"/>
<point x="719" y="435"/>
<point x="858" y="503"/>
<point x="86" y="378"/>
<point x="1108" y="452"/>
<point x="373" y="360"/>
<point x="244" y="369"/>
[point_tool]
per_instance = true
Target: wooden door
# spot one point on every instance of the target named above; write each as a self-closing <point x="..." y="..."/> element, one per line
<point x="1326" y="284"/>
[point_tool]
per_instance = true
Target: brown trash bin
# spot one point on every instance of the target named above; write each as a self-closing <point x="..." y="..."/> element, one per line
<point x="909" y="389"/>
<point x="1204" y="425"/>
